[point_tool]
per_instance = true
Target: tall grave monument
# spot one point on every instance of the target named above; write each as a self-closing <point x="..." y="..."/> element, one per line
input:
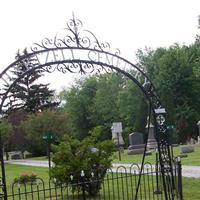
<point x="151" y="142"/>
<point x="117" y="134"/>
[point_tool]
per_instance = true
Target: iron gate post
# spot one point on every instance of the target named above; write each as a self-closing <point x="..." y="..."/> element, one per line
<point x="83" y="184"/>
<point x="49" y="158"/>
<point x="180" y="185"/>
<point x="3" y="168"/>
<point x="158" y="190"/>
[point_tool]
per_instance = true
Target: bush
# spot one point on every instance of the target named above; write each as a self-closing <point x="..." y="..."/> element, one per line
<point x="87" y="160"/>
<point x="26" y="177"/>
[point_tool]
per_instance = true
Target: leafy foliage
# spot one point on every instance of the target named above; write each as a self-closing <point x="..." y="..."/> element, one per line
<point x="17" y="140"/>
<point x="86" y="160"/>
<point x="26" y="96"/>
<point x="79" y="105"/>
<point x="36" y="125"/>
<point x="6" y="129"/>
<point x="175" y="73"/>
<point x="102" y="100"/>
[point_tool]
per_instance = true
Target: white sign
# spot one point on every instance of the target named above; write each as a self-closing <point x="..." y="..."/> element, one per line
<point x="160" y="111"/>
<point x="117" y="127"/>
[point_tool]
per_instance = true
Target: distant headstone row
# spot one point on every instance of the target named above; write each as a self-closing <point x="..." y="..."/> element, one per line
<point x="136" y="139"/>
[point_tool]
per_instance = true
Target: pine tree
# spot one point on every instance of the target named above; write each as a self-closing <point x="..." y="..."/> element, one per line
<point x="26" y="93"/>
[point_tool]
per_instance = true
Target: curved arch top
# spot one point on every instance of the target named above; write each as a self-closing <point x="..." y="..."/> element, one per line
<point x="77" y="51"/>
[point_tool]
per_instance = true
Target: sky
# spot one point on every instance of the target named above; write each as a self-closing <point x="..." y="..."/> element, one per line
<point x="128" y="25"/>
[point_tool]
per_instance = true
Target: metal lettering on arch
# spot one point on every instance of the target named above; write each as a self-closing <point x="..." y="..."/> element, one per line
<point x="79" y="51"/>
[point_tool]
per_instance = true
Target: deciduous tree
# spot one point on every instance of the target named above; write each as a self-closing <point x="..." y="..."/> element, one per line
<point x="41" y="123"/>
<point x="174" y="72"/>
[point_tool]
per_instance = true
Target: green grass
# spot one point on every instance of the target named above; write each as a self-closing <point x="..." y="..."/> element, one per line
<point x="14" y="171"/>
<point x="190" y="185"/>
<point x="191" y="189"/>
<point x="191" y="159"/>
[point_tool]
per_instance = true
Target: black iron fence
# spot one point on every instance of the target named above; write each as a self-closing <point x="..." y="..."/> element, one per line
<point x="120" y="183"/>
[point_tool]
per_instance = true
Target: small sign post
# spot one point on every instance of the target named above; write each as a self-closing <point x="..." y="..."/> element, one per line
<point x="49" y="138"/>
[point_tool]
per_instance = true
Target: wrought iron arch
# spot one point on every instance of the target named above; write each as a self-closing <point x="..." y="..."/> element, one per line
<point x="79" y="51"/>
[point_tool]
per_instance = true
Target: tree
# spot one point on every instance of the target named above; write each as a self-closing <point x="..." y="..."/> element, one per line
<point x="26" y="92"/>
<point x="92" y="102"/>
<point x="36" y="125"/>
<point x="105" y="101"/>
<point x="174" y="72"/>
<point x="17" y="140"/>
<point x="132" y="107"/>
<point x="28" y="96"/>
<point x="6" y="131"/>
<point x="102" y="100"/>
<point x="79" y="104"/>
<point x="89" y="156"/>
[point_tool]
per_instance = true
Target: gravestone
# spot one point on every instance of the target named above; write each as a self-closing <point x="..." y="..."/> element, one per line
<point x="136" y="138"/>
<point x="151" y="142"/>
<point x="191" y="141"/>
<point x="136" y="142"/>
<point x="187" y="149"/>
<point x="117" y="134"/>
<point x="27" y="154"/>
<point x="13" y="155"/>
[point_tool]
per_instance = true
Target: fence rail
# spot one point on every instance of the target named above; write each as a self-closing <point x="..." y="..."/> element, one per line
<point x="119" y="184"/>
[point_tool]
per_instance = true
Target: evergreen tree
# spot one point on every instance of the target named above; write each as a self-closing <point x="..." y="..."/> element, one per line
<point x="29" y="95"/>
<point x="26" y="96"/>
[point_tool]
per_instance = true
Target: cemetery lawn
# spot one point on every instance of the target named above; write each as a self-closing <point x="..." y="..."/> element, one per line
<point x="14" y="171"/>
<point x="192" y="159"/>
<point x="190" y="185"/>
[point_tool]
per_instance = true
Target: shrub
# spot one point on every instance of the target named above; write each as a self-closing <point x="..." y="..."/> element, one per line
<point x="87" y="160"/>
<point x="26" y="177"/>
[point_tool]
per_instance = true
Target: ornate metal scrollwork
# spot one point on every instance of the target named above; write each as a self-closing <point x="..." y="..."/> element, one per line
<point x="74" y="37"/>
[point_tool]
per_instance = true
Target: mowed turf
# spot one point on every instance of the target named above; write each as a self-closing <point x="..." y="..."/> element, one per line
<point x="14" y="171"/>
<point x="190" y="185"/>
<point x="192" y="158"/>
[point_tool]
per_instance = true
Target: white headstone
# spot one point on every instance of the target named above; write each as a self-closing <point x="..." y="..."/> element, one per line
<point x="117" y="133"/>
<point x="117" y="127"/>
